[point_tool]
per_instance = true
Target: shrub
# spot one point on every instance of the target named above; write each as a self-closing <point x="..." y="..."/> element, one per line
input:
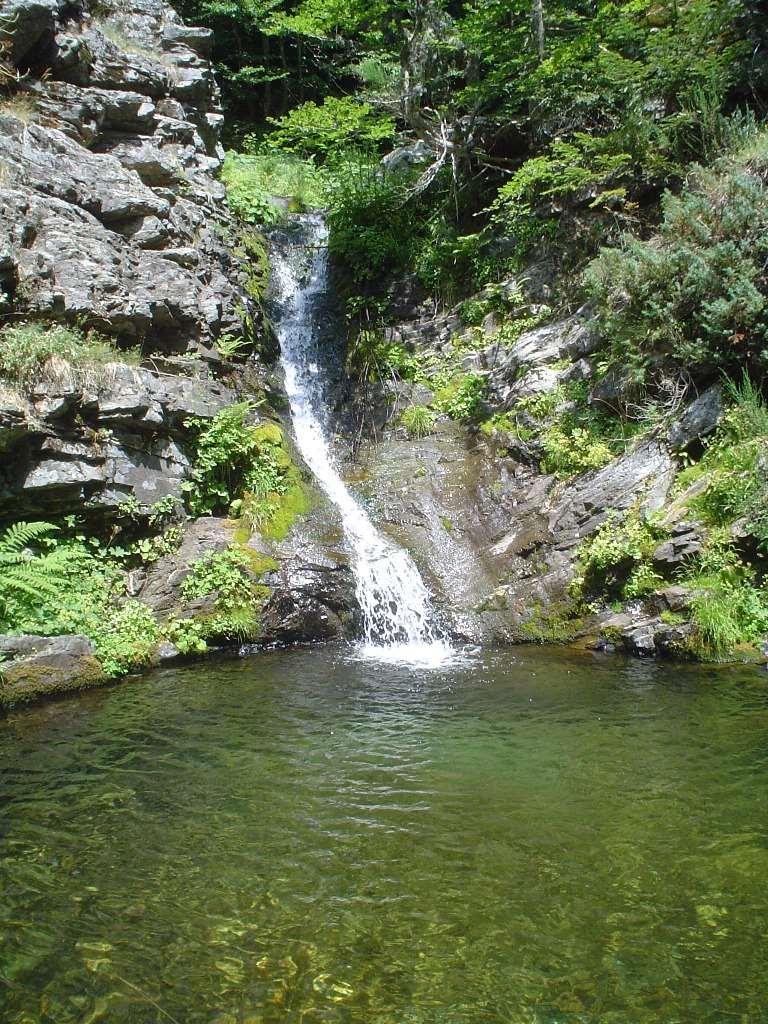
<point x="450" y="265"/>
<point x="371" y="220"/>
<point x="127" y="638"/>
<point x="695" y="293"/>
<point x="253" y="181"/>
<point x="728" y="609"/>
<point x="370" y="358"/>
<point x="331" y="127"/>
<point x="239" y="596"/>
<point x="571" y="449"/>
<point x="418" y="420"/>
<point x="736" y="466"/>
<point x="615" y="561"/>
<point x="31" y="352"/>
<point x="67" y="588"/>
<point x="462" y="397"/>
<point x="233" y="457"/>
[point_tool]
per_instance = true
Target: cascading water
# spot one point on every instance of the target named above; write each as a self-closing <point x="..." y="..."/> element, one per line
<point x="397" y="613"/>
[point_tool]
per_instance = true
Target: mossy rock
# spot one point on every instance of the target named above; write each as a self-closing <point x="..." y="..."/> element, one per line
<point x="269" y="433"/>
<point x="63" y="664"/>
<point x="294" y="503"/>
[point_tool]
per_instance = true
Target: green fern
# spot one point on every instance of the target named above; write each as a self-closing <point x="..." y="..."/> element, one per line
<point x="25" y="575"/>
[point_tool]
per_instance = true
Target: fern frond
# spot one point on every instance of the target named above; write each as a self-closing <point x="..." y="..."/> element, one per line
<point x="21" y="535"/>
<point x="28" y="584"/>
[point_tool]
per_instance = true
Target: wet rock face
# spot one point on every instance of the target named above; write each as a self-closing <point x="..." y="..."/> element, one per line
<point x="311" y="586"/>
<point x="108" y="170"/>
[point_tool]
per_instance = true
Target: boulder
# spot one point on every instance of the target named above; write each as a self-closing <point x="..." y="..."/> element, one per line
<point x="700" y="418"/>
<point x="27" y="26"/>
<point x="40" y="666"/>
<point x="46" y="160"/>
<point x="642" y="476"/>
<point x="686" y="541"/>
<point x="639" y="638"/>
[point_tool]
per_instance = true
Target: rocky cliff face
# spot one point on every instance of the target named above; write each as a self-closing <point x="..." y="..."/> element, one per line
<point x="496" y="537"/>
<point x="112" y="218"/>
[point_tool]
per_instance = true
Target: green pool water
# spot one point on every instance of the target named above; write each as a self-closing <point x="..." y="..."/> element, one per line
<point x="535" y="837"/>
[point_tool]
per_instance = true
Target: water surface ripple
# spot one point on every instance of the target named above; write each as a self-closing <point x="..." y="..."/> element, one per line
<point x="534" y="837"/>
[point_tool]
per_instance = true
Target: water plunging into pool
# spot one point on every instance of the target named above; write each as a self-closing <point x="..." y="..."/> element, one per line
<point x="398" y="619"/>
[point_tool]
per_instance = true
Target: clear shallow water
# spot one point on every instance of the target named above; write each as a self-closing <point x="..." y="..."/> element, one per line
<point x="536" y="837"/>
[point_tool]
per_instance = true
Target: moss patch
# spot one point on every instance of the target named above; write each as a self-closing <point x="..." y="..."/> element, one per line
<point x="550" y="626"/>
<point x="27" y="681"/>
<point x="294" y="503"/>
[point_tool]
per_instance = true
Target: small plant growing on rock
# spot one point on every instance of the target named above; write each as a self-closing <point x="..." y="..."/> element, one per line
<point x="462" y="397"/>
<point x="418" y="420"/>
<point x="233" y="457"/>
<point x="34" y="352"/>
<point x="615" y="561"/>
<point x="239" y="596"/>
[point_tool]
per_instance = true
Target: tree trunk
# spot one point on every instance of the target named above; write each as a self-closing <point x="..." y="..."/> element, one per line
<point x="537" y="16"/>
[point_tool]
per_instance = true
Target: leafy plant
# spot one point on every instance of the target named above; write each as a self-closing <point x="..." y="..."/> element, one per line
<point x="615" y="561"/>
<point x="695" y="293"/>
<point x="462" y="397"/>
<point x="25" y="575"/>
<point x="67" y="588"/>
<point x="127" y="639"/>
<point x="371" y="220"/>
<point x="331" y="127"/>
<point x="734" y="467"/>
<point x="239" y="596"/>
<point x="233" y="457"/>
<point x="728" y="609"/>
<point x="255" y="180"/>
<point x="370" y="357"/>
<point x="570" y="449"/>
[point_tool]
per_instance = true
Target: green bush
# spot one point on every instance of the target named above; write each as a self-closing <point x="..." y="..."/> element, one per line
<point x="253" y="181"/>
<point x="462" y="397"/>
<point x="577" y="438"/>
<point x="66" y="587"/>
<point x="735" y="467"/>
<point x="33" y="352"/>
<point x="570" y="449"/>
<point x="239" y="596"/>
<point x="450" y="265"/>
<point x="371" y="221"/>
<point x="695" y="293"/>
<point x="127" y="638"/>
<point x="418" y="420"/>
<point x="331" y="127"/>
<point x="370" y="358"/>
<point x="729" y="610"/>
<point x="231" y="458"/>
<point x="615" y="561"/>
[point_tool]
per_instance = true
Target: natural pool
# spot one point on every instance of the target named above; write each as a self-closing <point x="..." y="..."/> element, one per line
<point x="535" y="837"/>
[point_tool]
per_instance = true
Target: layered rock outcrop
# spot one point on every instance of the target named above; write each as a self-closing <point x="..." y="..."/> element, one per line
<point x="112" y="219"/>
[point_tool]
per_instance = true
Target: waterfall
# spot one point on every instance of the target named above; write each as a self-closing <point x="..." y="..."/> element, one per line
<point x="397" y="614"/>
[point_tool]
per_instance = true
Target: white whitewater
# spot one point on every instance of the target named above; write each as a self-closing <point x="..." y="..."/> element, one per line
<point x="397" y="614"/>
